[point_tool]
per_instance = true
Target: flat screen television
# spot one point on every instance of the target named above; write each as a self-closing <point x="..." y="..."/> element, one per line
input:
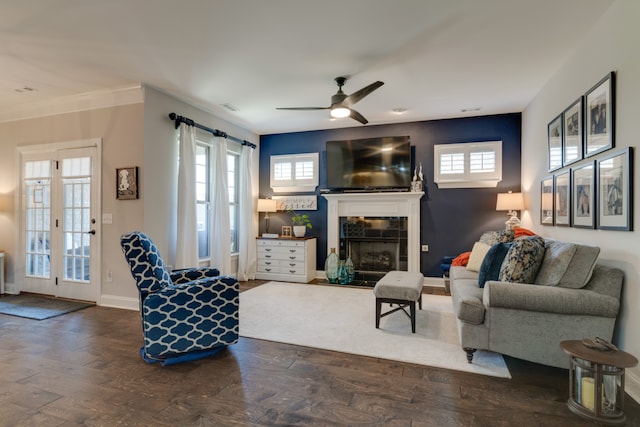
<point x="369" y="164"/>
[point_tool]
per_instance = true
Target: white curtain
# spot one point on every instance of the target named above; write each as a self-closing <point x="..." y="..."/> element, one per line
<point x="187" y="229"/>
<point x="220" y="224"/>
<point x="246" y="220"/>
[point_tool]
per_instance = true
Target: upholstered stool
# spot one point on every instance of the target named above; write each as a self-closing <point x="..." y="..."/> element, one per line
<point x="399" y="287"/>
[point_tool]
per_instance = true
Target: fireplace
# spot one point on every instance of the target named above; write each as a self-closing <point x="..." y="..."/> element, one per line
<point x="384" y="229"/>
<point x="376" y="245"/>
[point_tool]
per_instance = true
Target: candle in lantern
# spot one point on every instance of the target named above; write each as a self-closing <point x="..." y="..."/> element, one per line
<point x="588" y="393"/>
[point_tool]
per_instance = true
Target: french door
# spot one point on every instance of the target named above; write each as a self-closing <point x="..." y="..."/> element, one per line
<point x="59" y="233"/>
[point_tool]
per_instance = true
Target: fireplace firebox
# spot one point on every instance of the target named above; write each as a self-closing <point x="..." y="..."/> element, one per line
<point x="376" y="245"/>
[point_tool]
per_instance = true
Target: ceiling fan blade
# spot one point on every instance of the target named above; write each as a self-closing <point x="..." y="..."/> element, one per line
<point x="357" y="116"/>
<point x="358" y="95"/>
<point x="302" y="108"/>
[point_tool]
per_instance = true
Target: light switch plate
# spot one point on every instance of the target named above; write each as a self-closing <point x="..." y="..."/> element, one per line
<point x="107" y="218"/>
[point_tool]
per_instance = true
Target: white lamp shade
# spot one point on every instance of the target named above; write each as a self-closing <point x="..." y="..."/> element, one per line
<point x="510" y="202"/>
<point x="267" y="205"/>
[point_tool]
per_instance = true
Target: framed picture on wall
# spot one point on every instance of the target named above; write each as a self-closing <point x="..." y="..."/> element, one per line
<point x="127" y="183"/>
<point x="546" y="201"/>
<point x="554" y="135"/>
<point x="573" y="134"/>
<point x="583" y="190"/>
<point x="562" y="199"/>
<point x="615" y="193"/>
<point x="599" y="116"/>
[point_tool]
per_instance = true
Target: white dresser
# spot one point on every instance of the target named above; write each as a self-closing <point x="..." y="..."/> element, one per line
<point x="287" y="260"/>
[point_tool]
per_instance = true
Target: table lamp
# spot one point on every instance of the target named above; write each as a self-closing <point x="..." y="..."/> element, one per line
<point x="510" y="202"/>
<point x="266" y="206"/>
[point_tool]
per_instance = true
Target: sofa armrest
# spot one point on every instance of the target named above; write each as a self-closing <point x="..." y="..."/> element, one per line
<point x="549" y="299"/>
<point x="191" y="274"/>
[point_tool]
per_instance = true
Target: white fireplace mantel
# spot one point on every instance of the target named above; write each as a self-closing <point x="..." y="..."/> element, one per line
<point x="401" y="204"/>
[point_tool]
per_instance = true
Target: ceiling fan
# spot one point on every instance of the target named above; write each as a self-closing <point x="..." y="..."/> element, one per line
<point x="341" y="102"/>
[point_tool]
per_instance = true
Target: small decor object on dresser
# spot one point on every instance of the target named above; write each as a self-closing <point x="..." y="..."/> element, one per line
<point x="300" y="223"/>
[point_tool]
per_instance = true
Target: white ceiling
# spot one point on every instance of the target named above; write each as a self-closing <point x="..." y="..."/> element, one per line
<point x="436" y="57"/>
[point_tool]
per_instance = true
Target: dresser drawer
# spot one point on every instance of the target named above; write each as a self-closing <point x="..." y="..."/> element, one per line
<point x="288" y="260"/>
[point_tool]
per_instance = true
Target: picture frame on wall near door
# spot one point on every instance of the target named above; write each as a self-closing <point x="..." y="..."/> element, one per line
<point x="127" y="183"/>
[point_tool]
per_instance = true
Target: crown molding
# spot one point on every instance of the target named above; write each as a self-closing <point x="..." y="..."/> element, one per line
<point x="74" y="103"/>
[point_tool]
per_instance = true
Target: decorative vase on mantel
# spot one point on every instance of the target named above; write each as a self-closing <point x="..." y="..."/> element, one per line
<point x="331" y="265"/>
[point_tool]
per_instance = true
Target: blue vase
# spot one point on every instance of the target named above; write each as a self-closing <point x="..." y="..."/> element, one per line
<point x="343" y="277"/>
<point x="331" y="265"/>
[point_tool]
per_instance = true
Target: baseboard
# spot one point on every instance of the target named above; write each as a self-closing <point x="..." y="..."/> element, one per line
<point x="632" y="385"/>
<point x="115" y="301"/>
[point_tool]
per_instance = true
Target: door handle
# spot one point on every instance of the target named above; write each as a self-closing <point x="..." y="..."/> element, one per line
<point x="90" y="232"/>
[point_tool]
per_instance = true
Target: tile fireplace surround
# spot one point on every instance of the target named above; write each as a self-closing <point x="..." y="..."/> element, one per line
<point x="401" y="204"/>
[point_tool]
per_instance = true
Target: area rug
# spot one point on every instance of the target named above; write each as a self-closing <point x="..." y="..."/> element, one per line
<point x="343" y="319"/>
<point x="38" y="307"/>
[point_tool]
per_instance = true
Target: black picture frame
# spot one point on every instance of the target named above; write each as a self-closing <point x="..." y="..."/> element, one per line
<point x="583" y="195"/>
<point x="573" y="126"/>
<point x="615" y="191"/>
<point x="599" y="104"/>
<point x="562" y="199"/>
<point x="554" y="138"/>
<point x="546" y="201"/>
<point x="127" y="183"/>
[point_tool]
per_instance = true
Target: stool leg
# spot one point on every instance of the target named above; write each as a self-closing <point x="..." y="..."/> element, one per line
<point x="378" y="310"/>
<point x="412" y="305"/>
<point x="420" y="301"/>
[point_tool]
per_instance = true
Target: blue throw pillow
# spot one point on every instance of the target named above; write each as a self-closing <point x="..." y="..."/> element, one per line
<point x="490" y="268"/>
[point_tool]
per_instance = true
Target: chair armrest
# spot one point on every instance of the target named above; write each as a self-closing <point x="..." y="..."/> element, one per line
<point x="549" y="299"/>
<point x="191" y="274"/>
<point x="219" y="288"/>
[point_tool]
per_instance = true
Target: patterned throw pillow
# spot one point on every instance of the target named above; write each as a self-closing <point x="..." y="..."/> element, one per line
<point x="523" y="260"/>
<point x="501" y="236"/>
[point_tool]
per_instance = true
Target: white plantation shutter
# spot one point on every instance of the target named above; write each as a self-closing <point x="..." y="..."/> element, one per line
<point x="468" y="165"/>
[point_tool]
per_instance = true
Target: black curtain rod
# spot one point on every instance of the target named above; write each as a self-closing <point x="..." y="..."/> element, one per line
<point x="216" y="132"/>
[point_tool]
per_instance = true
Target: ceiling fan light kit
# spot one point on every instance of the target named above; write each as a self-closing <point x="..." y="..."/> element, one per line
<point x="341" y="102"/>
<point x="340" y="112"/>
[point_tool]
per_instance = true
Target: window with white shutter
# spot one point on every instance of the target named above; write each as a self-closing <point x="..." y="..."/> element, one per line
<point x="468" y="165"/>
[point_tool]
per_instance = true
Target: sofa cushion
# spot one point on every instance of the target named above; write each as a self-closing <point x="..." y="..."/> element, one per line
<point x="490" y="268"/>
<point x="522" y="262"/>
<point x="557" y="256"/>
<point x="501" y="236"/>
<point x="581" y="267"/>
<point x="477" y="256"/>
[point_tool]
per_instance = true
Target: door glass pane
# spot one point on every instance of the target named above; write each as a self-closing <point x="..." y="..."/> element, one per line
<point x="76" y="184"/>
<point x="37" y="190"/>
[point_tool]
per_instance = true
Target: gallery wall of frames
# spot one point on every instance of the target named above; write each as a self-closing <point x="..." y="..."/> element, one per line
<point x="590" y="185"/>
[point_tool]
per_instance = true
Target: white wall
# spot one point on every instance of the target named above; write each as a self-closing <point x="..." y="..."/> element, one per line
<point x="612" y="45"/>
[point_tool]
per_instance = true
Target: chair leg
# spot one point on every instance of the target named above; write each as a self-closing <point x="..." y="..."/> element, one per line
<point x="412" y="306"/>
<point x="378" y="311"/>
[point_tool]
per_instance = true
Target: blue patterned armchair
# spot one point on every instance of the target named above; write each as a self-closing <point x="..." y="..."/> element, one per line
<point x="187" y="314"/>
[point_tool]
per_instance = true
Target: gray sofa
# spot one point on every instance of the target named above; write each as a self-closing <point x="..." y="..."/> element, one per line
<point x="572" y="297"/>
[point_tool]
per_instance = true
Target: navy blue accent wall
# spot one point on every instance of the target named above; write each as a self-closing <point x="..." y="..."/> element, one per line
<point x="451" y="219"/>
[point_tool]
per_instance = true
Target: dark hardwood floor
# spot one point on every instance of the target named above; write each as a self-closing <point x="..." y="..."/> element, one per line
<point x="83" y="368"/>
